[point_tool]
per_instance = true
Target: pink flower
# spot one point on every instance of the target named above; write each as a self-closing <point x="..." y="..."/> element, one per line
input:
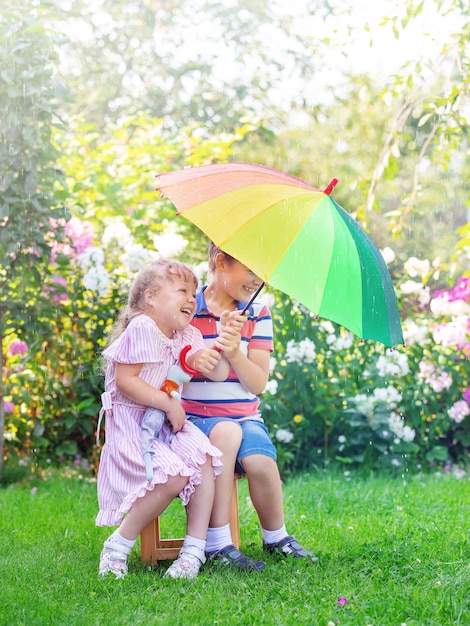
<point x="34" y="490"/>
<point x="18" y="347"/>
<point x="342" y="601"/>
<point x="466" y="395"/>
<point x="8" y="406"/>
<point x="56" y="290"/>
<point x="459" y="411"/>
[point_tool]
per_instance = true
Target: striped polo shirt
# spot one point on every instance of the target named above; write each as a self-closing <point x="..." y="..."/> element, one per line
<point x="204" y="398"/>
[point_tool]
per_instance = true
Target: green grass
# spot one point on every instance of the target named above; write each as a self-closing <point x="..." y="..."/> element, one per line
<point x="397" y="549"/>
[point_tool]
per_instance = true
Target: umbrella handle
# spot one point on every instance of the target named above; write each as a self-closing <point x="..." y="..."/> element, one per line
<point x="247" y="306"/>
<point x="184" y="366"/>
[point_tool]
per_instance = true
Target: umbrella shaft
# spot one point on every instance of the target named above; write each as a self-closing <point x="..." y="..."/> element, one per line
<point x="253" y="298"/>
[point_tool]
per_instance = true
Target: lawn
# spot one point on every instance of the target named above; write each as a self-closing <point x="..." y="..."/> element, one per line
<point x="397" y="549"/>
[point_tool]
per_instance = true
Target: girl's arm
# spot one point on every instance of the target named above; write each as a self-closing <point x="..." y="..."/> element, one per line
<point x="131" y="385"/>
<point x="210" y="363"/>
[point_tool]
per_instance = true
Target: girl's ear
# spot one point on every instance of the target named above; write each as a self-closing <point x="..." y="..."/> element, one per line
<point x="149" y="294"/>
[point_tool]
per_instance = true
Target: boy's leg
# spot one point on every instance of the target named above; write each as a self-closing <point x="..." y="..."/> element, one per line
<point x="264" y="483"/>
<point x="258" y="457"/>
<point x="225" y="435"/>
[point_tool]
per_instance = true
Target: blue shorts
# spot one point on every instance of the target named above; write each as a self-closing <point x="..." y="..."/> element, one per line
<point x="255" y="437"/>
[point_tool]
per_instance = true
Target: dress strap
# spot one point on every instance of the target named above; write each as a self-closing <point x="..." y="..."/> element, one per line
<point x="106" y="405"/>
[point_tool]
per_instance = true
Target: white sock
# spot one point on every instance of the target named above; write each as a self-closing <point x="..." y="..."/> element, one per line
<point x="192" y="541"/>
<point x="117" y="538"/>
<point x="273" y="536"/>
<point x="218" y="538"/>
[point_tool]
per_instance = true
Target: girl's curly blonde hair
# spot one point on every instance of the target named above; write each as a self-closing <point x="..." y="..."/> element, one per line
<point x="151" y="276"/>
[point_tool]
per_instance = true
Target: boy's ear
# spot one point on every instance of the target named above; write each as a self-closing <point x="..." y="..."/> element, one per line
<point x="220" y="261"/>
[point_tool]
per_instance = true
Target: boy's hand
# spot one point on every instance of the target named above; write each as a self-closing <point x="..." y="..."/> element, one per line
<point x="229" y="337"/>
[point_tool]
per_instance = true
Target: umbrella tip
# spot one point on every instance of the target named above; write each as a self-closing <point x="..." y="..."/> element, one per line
<point x="331" y="186"/>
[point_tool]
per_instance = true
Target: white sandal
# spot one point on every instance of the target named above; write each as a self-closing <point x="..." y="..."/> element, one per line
<point x="113" y="558"/>
<point x="187" y="564"/>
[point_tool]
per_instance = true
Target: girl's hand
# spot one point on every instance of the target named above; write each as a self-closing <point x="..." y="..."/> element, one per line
<point x="176" y="416"/>
<point x="205" y="360"/>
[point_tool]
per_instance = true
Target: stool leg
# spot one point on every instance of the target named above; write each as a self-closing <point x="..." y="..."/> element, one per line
<point x="234" y="518"/>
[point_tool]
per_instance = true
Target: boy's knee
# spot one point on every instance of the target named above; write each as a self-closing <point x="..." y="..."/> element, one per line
<point x="226" y="433"/>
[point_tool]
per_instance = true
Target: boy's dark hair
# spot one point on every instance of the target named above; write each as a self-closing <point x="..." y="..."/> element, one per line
<point x="213" y="252"/>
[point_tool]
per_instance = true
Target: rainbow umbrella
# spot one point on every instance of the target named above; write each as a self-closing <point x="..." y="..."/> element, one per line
<point x="295" y="238"/>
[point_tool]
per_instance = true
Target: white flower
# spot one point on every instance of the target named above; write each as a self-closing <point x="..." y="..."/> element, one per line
<point x="424" y="296"/>
<point x="327" y="326"/>
<point x="266" y="298"/>
<point x="412" y="333"/>
<point x="284" y="436"/>
<point x="117" y="234"/>
<point x="97" y="279"/>
<point x="388" y="255"/>
<point x="170" y="244"/>
<point x="342" y="439"/>
<point x="92" y="256"/>
<point x="136" y="256"/>
<point x="441" y="305"/>
<point x="271" y="386"/>
<point x="201" y="270"/>
<point x="453" y="333"/>
<point x="393" y="363"/>
<point x="388" y="395"/>
<point x="408" y="434"/>
<point x="410" y="287"/>
<point x="302" y="352"/>
<point x="414" y="267"/>
<point x="343" y="342"/>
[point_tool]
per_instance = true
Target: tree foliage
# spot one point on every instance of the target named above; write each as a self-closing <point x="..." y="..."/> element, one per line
<point x="29" y="96"/>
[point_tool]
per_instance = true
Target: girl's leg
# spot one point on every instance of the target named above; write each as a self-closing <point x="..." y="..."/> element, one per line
<point x="118" y="546"/>
<point x="150" y="506"/>
<point x="198" y="511"/>
<point x="199" y="508"/>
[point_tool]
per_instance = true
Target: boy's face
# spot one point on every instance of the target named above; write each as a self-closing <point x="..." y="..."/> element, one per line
<point x="240" y="283"/>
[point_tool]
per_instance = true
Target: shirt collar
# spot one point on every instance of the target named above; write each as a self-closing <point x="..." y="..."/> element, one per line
<point x="202" y="306"/>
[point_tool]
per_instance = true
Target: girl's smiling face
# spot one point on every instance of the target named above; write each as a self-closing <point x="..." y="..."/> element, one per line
<point x="173" y="306"/>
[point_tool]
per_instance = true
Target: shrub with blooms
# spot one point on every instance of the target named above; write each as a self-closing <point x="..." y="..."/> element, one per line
<point x="363" y="404"/>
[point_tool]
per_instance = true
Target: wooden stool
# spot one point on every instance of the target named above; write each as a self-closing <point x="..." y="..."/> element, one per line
<point x="153" y="548"/>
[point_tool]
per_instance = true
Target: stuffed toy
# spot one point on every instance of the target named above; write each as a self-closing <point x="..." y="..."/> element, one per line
<point x="154" y="423"/>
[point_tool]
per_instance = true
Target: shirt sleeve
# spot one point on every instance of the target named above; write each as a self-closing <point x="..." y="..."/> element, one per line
<point x="262" y="334"/>
<point x="193" y="337"/>
<point x="139" y="343"/>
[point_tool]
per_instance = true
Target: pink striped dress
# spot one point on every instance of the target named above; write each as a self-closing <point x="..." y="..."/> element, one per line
<point x="121" y="474"/>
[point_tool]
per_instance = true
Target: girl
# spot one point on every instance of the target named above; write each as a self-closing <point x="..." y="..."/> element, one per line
<point x="150" y="333"/>
<point x="228" y="412"/>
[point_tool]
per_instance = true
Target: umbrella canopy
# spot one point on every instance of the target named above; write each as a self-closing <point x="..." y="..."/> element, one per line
<point x="295" y="238"/>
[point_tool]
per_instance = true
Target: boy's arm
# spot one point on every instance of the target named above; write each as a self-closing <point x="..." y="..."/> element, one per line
<point x="252" y="370"/>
